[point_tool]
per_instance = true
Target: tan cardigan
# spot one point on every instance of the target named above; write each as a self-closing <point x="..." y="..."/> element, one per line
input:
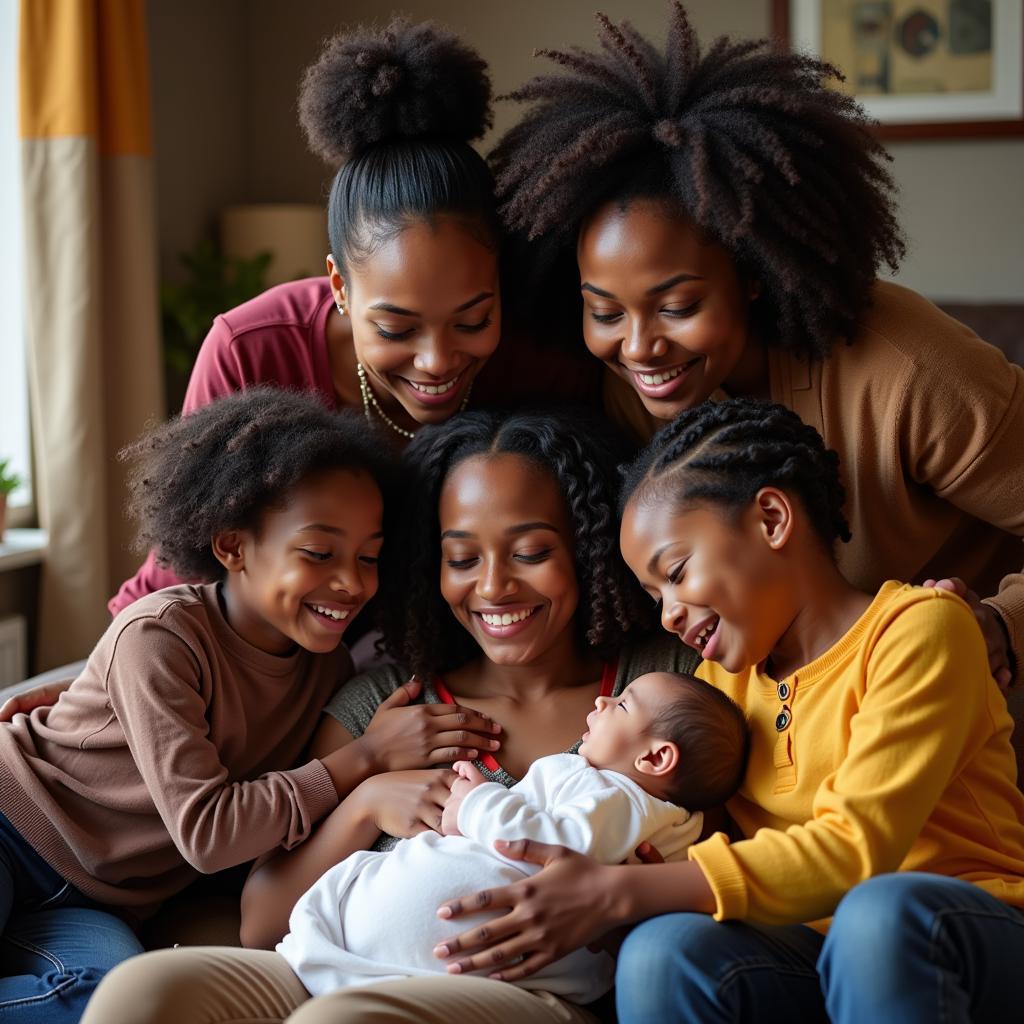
<point x="928" y="421"/>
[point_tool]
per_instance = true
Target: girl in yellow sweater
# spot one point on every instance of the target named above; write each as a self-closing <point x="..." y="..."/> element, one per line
<point x="881" y="788"/>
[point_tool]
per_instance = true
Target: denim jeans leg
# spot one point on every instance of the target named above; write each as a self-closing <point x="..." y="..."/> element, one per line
<point x="913" y="947"/>
<point x="688" y="967"/>
<point x="53" y="959"/>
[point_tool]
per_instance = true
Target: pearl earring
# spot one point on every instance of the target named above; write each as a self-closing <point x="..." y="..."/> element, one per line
<point x="341" y="309"/>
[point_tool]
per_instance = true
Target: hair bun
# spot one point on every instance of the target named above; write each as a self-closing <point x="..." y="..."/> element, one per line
<point x="406" y="81"/>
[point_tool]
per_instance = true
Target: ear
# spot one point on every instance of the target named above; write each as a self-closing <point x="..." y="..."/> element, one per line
<point x="658" y="760"/>
<point x="337" y="282"/>
<point x="774" y="511"/>
<point x="229" y="550"/>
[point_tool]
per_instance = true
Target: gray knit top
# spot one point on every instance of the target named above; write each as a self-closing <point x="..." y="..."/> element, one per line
<point x="357" y="700"/>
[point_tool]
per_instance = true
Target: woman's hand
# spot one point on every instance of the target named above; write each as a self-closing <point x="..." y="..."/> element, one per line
<point x="403" y="804"/>
<point x="38" y="697"/>
<point x="400" y="738"/>
<point x="997" y="639"/>
<point x="562" y="908"/>
<point x="469" y="777"/>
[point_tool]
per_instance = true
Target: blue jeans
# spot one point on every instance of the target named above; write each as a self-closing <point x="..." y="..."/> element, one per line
<point x="905" y="948"/>
<point x="56" y="944"/>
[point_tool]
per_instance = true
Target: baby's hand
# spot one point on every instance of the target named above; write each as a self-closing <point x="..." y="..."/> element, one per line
<point x="468" y="772"/>
<point x="468" y="778"/>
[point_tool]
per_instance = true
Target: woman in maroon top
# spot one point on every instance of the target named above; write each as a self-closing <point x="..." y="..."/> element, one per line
<point x="409" y="314"/>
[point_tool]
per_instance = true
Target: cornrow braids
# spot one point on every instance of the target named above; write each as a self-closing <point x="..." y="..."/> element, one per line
<point x="723" y="453"/>
<point x="419" y="628"/>
<point x="221" y="467"/>
<point x="746" y="140"/>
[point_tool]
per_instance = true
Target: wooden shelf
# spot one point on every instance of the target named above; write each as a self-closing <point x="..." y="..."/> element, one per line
<point x="22" y="547"/>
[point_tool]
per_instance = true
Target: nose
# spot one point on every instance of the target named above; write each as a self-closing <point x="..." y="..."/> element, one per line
<point x="494" y="581"/>
<point x="348" y="579"/>
<point x="601" y="702"/>
<point x="436" y="359"/>
<point x="642" y="342"/>
<point x="673" y="616"/>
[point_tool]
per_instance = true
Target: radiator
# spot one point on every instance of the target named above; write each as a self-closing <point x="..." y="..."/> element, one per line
<point x="13" y="650"/>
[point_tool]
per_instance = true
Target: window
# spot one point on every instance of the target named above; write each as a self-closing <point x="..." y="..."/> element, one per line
<point x="14" y="421"/>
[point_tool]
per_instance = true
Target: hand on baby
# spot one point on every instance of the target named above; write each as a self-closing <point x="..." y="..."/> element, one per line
<point x="468" y="777"/>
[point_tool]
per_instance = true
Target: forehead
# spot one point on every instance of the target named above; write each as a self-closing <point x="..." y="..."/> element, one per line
<point x="503" y="490"/>
<point x="648" y="240"/>
<point x="655" y="689"/>
<point x="334" y="497"/>
<point x="435" y="263"/>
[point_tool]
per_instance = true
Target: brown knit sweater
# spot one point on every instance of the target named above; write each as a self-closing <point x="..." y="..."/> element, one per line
<point x="170" y="754"/>
<point x="928" y="421"/>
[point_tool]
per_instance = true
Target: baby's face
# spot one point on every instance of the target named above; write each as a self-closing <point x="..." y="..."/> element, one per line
<point x="619" y="727"/>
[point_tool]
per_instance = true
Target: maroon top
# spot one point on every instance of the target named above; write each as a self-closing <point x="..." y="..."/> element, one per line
<point x="280" y="338"/>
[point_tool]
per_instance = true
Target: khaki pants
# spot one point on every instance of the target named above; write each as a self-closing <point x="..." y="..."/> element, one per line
<point x="220" y="985"/>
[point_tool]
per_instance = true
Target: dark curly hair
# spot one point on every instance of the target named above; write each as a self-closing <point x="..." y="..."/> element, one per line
<point x="746" y="140"/>
<point x="221" y="467"/>
<point x="396" y="108"/>
<point x="577" y="454"/>
<point x="713" y="738"/>
<point x="723" y="453"/>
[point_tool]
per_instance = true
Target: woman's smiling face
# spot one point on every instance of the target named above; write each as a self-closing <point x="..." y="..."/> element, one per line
<point x="425" y="312"/>
<point x="662" y="307"/>
<point x="507" y="566"/>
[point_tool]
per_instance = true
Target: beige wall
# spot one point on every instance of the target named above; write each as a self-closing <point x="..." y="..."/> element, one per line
<point x="197" y="62"/>
<point x="225" y="79"/>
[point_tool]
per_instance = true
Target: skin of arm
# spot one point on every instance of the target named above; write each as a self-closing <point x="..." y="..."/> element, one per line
<point x="38" y="697"/>
<point x="401" y="804"/>
<point x="276" y="882"/>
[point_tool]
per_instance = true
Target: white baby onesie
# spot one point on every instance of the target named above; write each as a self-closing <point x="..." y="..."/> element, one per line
<point x="373" y="917"/>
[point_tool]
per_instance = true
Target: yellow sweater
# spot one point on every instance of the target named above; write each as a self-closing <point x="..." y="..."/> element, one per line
<point x="897" y="757"/>
<point x="928" y="421"/>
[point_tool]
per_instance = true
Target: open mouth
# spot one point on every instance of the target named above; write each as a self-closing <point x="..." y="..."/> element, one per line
<point x="431" y="392"/>
<point x="662" y="383"/>
<point x="502" y="623"/>
<point x="704" y="637"/>
<point x="334" y="617"/>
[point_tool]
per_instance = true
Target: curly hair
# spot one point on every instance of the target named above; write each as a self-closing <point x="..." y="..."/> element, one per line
<point x="723" y="453"/>
<point x="746" y="140"/>
<point x="221" y="467"/>
<point x="419" y="627"/>
<point x="394" y="109"/>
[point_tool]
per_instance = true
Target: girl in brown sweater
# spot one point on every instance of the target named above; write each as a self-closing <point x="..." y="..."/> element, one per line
<point x="173" y="752"/>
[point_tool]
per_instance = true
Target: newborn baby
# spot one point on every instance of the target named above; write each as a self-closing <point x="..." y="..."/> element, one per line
<point x="666" y="747"/>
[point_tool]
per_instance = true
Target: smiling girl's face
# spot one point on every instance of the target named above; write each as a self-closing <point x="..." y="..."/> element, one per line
<point x="507" y="567"/>
<point x="721" y="589"/>
<point x="663" y="308"/>
<point x="425" y="314"/>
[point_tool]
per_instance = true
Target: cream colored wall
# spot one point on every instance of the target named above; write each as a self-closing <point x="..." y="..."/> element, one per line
<point x="226" y="75"/>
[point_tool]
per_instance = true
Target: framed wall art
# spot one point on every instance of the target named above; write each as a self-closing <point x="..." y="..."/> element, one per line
<point x="921" y="68"/>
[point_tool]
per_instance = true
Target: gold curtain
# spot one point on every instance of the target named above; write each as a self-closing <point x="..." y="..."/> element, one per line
<point x="91" y="279"/>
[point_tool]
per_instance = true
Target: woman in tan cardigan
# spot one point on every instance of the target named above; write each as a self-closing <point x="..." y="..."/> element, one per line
<point x="729" y="212"/>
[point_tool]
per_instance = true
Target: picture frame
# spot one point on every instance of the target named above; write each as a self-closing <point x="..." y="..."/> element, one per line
<point x="893" y="51"/>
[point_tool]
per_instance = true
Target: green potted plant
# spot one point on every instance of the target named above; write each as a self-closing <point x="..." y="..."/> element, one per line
<point x="213" y="283"/>
<point x="9" y="481"/>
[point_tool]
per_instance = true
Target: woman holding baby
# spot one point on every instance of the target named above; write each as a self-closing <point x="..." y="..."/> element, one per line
<point x="728" y="239"/>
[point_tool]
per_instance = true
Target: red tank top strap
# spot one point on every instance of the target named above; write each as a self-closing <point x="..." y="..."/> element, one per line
<point x="446" y="698"/>
<point x="611" y="670"/>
